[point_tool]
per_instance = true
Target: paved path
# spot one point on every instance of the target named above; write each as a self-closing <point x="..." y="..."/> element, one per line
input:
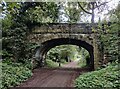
<point x="55" y="77"/>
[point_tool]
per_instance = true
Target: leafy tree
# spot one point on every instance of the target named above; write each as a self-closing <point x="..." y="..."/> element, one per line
<point x="110" y="38"/>
<point x="73" y="11"/>
<point x="63" y="52"/>
<point x="18" y="22"/>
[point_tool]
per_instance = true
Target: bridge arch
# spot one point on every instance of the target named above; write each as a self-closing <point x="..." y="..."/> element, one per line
<point x="47" y="45"/>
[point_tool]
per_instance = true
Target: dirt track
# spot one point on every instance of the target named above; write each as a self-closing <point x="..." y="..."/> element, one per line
<point x="54" y="77"/>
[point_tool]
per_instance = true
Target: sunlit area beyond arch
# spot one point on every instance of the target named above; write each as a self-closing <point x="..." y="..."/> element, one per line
<point x="67" y="56"/>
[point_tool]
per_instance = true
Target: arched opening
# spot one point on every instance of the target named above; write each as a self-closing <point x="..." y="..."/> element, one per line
<point x="67" y="56"/>
<point x="46" y="46"/>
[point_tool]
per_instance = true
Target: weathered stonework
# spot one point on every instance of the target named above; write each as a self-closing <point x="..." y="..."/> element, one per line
<point x="36" y="38"/>
<point x="55" y="34"/>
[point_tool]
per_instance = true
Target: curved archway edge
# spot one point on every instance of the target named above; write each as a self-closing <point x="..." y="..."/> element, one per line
<point x="47" y="45"/>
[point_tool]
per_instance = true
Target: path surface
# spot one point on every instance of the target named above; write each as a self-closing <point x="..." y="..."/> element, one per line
<point x="72" y="64"/>
<point x="55" y="77"/>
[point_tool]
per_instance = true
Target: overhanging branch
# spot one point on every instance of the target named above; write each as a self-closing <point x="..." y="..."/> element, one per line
<point x="97" y="6"/>
<point x="83" y="9"/>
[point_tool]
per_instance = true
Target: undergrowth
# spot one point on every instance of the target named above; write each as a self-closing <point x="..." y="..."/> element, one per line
<point x="106" y="77"/>
<point x="13" y="74"/>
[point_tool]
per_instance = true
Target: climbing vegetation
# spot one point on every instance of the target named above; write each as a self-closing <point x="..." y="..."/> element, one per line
<point x="17" y="23"/>
<point x="110" y="36"/>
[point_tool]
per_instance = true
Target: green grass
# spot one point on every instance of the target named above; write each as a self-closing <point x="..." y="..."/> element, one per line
<point x="13" y="74"/>
<point x="106" y="77"/>
<point x="51" y="64"/>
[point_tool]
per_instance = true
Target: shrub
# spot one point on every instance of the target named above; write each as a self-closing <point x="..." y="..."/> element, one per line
<point x="82" y="61"/>
<point x="50" y="63"/>
<point x="107" y="77"/>
<point x="13" y="74"/>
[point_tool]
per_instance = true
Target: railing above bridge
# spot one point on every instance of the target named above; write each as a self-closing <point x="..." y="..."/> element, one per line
<point x="84" y="28"/>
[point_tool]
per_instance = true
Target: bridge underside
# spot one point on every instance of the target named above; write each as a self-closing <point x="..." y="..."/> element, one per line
<point x="46" y="46"/>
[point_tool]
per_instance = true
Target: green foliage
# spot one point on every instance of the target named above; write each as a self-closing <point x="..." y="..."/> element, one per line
<point x="41" y="12"/>
<point x="82" y="62"/>
<point x="110" y="42"/>
<point x="5" y="53"/>
<point x="13" y="74"/>
<point x="109" y="37"/>
<point x="53" y="54"/>
<point x="84" y="57"/>
<point x="63" y="52"/>
<point x="67" y="53"/>
<point x="51" y="64"/>
<point x="107" y="77"/>
<point x="72" y="12"/>
<point x="17" y="25"/>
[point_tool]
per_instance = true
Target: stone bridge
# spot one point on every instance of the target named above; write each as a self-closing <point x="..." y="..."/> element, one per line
<point x="50" y="35"/>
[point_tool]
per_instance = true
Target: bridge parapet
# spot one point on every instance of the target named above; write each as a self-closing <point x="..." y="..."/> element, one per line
<point x="84" y="28"/>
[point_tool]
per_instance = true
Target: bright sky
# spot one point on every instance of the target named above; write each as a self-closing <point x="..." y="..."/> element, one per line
<point x="111" y="5"/>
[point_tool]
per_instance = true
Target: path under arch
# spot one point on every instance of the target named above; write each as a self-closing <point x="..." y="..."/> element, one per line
<point x="54" y="77"/>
